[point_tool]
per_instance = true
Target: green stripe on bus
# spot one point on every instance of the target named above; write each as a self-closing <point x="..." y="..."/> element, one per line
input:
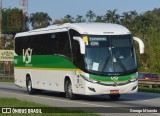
<point x="110" y="78"/>
<point x="45" y="61"/>
<point x="36" y="68"/>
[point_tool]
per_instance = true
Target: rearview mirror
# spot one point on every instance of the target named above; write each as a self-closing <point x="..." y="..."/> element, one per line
<point x="141" y="44"/>
<point x="81" y="43"/>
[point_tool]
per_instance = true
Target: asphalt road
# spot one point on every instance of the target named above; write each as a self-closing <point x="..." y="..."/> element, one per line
<point x="99" y="104"/>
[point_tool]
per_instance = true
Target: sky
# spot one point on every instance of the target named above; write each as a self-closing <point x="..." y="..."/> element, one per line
<point x="59" y="8"/>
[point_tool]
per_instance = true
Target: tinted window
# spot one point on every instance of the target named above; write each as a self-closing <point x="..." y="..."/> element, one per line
<point x="20" y="44"/>
<point x="41" y="44"/>
<point x="61" y="44"/>
<point x="45" y="44"/>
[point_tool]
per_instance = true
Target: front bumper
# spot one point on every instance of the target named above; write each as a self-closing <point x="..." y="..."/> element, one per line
<point x="98" y="89"/>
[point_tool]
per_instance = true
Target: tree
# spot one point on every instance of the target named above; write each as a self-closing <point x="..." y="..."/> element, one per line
<point x="61" y="21"/>
<point x="111" y="16"/>
<point x="39" y="20"/>
<point x="143" y="23"/>
<point x="147" y="28"/>
<point x="133" y="14"/>
<point x="69" y="19"/>
<point x="99" y="19"/>
<point x="13" y="21"/>
<point x="10" y="45"/>
<point x="126" y="18"/>
<point x="90" y="15"/>
<point x="80" y="19"/>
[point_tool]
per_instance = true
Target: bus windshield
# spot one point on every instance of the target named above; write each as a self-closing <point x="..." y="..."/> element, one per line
<point x="111" y="55"/>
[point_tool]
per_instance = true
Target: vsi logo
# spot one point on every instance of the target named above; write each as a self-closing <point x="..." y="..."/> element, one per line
<point x="27" y="55"/>
<point x="114" y="78"/>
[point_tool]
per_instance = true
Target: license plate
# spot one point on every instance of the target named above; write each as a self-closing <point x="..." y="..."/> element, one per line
<point x="114" y="91"/>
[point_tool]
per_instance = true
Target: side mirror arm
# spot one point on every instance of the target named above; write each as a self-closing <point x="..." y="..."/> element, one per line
<point x="141" y="44"/>
<point x="81" y="43"/>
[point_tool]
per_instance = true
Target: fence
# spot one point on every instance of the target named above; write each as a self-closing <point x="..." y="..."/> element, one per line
<point x="6" y="70"/>
<point x="149" y="83"/>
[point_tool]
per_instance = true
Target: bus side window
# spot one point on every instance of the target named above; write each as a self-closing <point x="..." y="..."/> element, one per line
<point x="61" y="44"/>
<point x="21" y="43"/>
<point x="40" y="44"/>
<point x="18" y="46"/>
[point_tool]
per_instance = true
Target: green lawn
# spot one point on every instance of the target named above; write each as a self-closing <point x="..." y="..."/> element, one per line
<point x="11" y="102"/>
<point x="6" y="80"/>
<point x="149" y="90"/>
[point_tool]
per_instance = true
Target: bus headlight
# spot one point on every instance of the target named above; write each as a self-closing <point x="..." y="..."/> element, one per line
<point x="86" y="77"/>
<point x="133" y="78"/>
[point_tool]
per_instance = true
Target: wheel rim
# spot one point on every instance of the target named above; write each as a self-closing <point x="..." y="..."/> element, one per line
<point x="29" y="85"/>
<point x="69" y="89"/>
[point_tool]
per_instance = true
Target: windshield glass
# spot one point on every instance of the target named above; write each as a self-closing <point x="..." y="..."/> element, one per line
<point x="112" y="54"/>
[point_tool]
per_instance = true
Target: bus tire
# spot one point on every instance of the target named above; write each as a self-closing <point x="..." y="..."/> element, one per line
<point x="69" y="90"/>
<point x="114" y="96"/>
<point x="30" y="90"/>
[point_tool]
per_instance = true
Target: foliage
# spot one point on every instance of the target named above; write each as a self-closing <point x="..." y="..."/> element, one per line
<point x="10" y="45"/>
<point x="39" y="20"/>
<point x="149" y="90"/>
<point x="90" y="15"/>
<point x="100" y="19"/>
<point x="146" y="26"/>
<point x="80" y="19"/>
<point x="111" y="16"/>
<point x="60" y="21"/>
<point x="13" y="21"/>
<point x="69" y="18"/>
<point x="66" y="19"/>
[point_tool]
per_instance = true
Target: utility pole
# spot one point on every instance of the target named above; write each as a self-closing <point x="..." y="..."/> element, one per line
<point x="1" y="39"/>
<point x="0" y="16"/>
<point x="24" y="5"/>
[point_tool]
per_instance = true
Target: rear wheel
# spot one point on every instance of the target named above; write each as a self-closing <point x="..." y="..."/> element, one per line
<point x="114" y="96"/>
<point x="69" y="90"/>
<point x="30" y="90"/>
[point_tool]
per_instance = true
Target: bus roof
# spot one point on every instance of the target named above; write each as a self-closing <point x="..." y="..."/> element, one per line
<point x="82" y="28"/>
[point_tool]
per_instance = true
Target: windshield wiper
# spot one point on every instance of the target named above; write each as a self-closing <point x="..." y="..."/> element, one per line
<point x="121" y="64"/>
<point x="105" y="64"/>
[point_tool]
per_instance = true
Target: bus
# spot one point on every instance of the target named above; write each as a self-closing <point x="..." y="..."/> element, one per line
<point x="77" y="58"/>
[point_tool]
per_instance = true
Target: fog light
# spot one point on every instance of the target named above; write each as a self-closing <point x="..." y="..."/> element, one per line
<point x="92" y="89"/>
<point x="134" y="88"/>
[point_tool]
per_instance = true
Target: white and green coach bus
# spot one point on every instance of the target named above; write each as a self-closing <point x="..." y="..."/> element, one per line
<point x="78" y="58"/>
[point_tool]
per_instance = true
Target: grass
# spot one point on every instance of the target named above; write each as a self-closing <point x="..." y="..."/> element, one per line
<point x="6" y="80"/>
<point x="149" y="90"/>
<point x="12" y="102"/>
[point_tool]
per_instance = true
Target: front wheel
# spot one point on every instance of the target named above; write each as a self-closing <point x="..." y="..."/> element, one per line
<point x="69" y="90"/>
<point x="114" y="96"/>
<point x="30" y="90"/>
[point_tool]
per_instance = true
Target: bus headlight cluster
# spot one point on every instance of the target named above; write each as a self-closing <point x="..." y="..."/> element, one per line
<point x="86" y="77"/>
<point x="133" y="78"/>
